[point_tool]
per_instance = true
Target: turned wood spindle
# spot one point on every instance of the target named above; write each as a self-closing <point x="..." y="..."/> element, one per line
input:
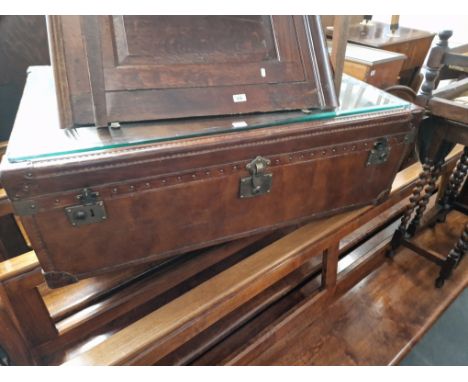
<point x="400" y="232"/>
<point x="415" y="197"/>
<point x="455" y="181"/>
<point x="434" y="173"/>
<point x="433" y="66"/>
<point x="453" y="258"/>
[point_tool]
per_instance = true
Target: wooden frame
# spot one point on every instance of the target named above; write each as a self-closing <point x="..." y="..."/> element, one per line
<point x="107" y="76"/>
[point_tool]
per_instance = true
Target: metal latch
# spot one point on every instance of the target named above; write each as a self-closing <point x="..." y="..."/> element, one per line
<point x="91" y="210"/>
<point x="379" y="153"/>
<point x="259" y="182"/>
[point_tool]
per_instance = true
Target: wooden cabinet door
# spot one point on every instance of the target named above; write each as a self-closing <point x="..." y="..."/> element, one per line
<point x="159" y="67"/>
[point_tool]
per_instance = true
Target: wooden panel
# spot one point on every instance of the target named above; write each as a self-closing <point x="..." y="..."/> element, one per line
<point x="211" y="64"/>
<point x="357" y="70"/>
<point x="169" y="40"/>
<point x="415" y="52"/>
<point x="26" y="306"/>
<point x="380" y="75"/>
<point x="386" y="74"/>
<point x="11" y="340"/>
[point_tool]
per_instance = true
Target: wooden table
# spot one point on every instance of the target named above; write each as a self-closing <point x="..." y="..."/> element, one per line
<point x="446" y="126"/>
<point x="377" y="67"/>
<point x="413" y="43"/>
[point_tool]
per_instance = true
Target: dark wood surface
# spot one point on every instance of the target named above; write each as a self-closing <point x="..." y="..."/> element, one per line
<point x="413" y="43"/>
<point x="378" y="321"/>
<point x="378" y="35"/>
<point x="379" y="75"/>
<point x="159" y="67"/>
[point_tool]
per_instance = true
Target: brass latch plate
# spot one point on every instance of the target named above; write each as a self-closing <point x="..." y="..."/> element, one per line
<point x="259" y="183"/>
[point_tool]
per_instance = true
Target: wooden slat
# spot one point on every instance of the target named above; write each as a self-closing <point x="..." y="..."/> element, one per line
<point x="427" y="253"/>
<point x="162" y="331"/>
<point x="5" y="204"/>
<point x="456" y="59"/>
<point x="338" y="52"/>
<point x="63" y="302"/>
<point x="452" y="90"/>
<point x="25" y="305"/>
<point x="255" y="310"/>
<point x="92" y="42"/>
<point x="18" y="265"/>
<point x="451" y="110"/>
<point x="150" y="292"/>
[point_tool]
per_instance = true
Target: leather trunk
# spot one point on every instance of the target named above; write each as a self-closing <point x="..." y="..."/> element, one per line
<point x="157" y="200"/>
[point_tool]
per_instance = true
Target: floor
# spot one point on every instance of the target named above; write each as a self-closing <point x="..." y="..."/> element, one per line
<point x="376" y="321"/>
<point x="446" y="343"/>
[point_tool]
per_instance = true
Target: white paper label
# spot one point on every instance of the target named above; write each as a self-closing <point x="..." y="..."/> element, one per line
<point x="263" y="72"/>
<point x="239" y="98"/>
<point x="239" y="124"/>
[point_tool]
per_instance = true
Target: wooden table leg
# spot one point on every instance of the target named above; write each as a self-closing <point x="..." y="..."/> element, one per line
<point x="453" y="186"/>
<point x="453" y="258"/>
<point x="433" y="175"/>
<point x="400" y="233"/>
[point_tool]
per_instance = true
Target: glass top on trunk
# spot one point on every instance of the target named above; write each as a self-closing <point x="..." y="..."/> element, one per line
<point x="37" y="133"/>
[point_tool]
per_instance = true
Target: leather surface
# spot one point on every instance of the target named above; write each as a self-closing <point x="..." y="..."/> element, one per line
<point x="169" y="198"/>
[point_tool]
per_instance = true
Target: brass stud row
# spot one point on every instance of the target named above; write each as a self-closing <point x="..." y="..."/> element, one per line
<point x="238" y="167"/>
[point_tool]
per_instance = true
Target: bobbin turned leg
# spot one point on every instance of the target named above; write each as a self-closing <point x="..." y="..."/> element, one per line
<point x="434" y="173"/>
<point x="453" y="186"/>
<point x="453" y="258"/>
<point x="400" y="233"/>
